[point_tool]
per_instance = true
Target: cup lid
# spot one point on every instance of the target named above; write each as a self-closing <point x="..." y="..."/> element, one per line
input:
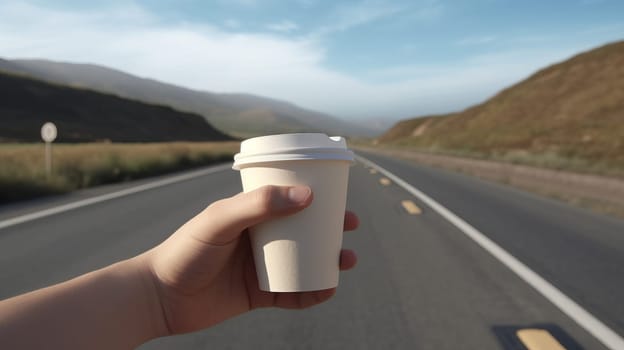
<point x="302" y="146"/>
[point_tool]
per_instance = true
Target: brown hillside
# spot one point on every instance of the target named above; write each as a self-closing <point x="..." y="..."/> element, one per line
<point x="84" y="115"/>
<point x="236" y="114"/>
<point x="572" y="111"/>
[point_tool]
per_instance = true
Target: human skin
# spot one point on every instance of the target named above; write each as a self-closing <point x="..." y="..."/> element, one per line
<point x="201" y="275"/>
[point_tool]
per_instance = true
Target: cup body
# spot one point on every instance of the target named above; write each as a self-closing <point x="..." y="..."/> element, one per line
<point x="300" y="252"/>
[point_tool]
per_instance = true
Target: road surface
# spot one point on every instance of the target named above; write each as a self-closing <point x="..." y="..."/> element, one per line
<point x="421" y="282"/>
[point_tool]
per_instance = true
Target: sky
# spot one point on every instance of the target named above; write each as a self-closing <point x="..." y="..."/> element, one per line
<point x="359" y="60"/>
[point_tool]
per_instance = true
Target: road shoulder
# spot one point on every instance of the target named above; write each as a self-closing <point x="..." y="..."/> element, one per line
<point x="597" y="193"/>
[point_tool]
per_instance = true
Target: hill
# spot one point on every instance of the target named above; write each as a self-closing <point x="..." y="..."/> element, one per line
<point x="237" y="114"/>
<point x="84" y="115"/>
<point x="567" y="115"/>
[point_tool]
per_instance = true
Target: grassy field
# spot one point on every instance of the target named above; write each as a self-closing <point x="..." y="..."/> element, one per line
<point x="75" y="166"/>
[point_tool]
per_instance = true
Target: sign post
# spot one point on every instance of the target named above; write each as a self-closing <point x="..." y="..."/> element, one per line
<point x="48" y="134"/>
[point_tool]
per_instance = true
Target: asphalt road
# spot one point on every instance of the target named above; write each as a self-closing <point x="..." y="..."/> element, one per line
<point x="420" y="282"/>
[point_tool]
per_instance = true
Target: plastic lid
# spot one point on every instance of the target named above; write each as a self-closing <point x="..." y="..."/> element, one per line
<point x="285" y="147"/>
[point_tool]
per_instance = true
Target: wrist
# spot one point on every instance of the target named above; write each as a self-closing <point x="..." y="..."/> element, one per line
<point x="149" y="295"/>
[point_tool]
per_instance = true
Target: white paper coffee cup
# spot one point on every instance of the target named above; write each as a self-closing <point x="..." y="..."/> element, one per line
<point x="299" y="252"/>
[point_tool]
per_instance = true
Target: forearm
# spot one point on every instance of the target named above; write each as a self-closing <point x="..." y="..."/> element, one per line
<point x="112" y="308"/>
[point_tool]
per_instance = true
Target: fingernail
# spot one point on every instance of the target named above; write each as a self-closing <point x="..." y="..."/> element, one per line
<point x="299" y="194"/>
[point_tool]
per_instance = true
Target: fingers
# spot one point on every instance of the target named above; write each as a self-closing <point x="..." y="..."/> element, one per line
<point x="227" y="218"/>
<point x="348" y="259"/>
<point x="302" y="300"/>
<point x="223" y="221"/>
<point x="351" y="221"/>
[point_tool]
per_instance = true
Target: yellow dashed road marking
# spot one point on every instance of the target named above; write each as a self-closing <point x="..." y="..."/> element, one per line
<point x="411" y="208"/>
<point x="373" y="171"/>
<point x="385" y="181"/>
<point x="576" y="312"/>
<point x="538" y="339"/>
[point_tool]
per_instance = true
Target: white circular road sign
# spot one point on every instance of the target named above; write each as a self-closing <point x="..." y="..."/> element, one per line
<point x="48" y="132"/>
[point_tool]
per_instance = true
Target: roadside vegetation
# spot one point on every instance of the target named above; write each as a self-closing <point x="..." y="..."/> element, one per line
<point x="76" y="166"/>
<point x="608" y="164"/>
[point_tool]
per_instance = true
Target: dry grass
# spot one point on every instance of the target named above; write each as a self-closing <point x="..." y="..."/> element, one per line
<point x="75" y="166"/>
<point x="599" y="194"/>
<point x="569" y="116"/>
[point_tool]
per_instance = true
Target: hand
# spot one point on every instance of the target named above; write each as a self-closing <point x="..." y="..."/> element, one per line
<point x="205" y="273"/>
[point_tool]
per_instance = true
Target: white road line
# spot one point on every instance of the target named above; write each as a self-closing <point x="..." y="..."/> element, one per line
<point x="82" y="203"/>
<point x="582" y="317"/>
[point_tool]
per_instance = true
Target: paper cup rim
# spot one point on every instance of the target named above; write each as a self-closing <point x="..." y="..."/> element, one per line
<point x="314" y="146"/>
<point x="242" y="162"/>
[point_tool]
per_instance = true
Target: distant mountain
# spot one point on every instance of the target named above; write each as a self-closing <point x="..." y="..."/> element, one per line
<point x="573" y="110"/>
<point x="84" y="115"/>
<point x="237" y="114"/>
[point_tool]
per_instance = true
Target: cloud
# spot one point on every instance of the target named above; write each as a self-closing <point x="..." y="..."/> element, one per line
<point x="476" y="40"/>
<point x="426" y="11"/>
<point x="283" y="26"/>
<point x="345" y="17"/>
<point x="206" y="57"/>
<point x="202" y="57"/>
<point x="413" y="90"/>
<point x="232" y="23"/>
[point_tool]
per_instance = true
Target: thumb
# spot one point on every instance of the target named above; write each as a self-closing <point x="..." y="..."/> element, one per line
<point x="224" y="220"/>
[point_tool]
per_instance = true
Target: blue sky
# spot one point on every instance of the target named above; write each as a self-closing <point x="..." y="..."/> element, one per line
<point x="354" y="59"/>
